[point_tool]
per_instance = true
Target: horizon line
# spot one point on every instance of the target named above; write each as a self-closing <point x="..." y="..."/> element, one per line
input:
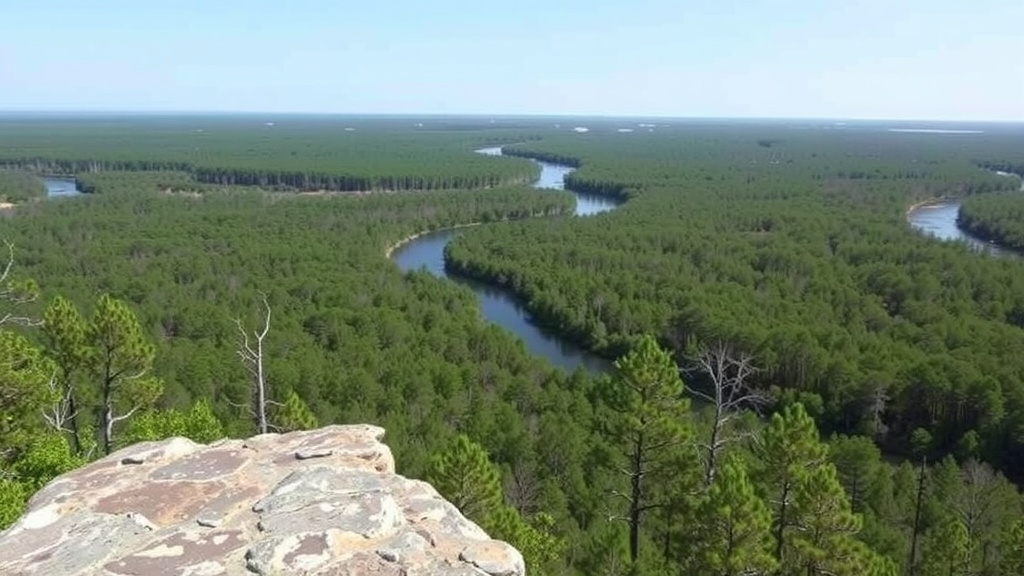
<point x="534" y="115"/>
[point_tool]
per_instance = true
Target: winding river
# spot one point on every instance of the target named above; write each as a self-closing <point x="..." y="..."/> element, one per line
<point x="499" y="306"/>
<point x="502" y="309"/>
<point x="938" y="219"/>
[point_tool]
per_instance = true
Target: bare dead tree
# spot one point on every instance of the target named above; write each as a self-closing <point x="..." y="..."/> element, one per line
<point x="62" y="411"/>
<point x="729" y="372"/>
<point x="978" y="506"/>
<point x="252" y="359"/>
<point x="14" y="293"/>
<point x="522" y="487"/>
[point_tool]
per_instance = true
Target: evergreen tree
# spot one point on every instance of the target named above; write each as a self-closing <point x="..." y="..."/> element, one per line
<point x="465" y="476"/>
<point x="121" y="359"/>
<point x="24" y="374"/>
<point x="857" y="460"/>
<point x="542" y="550"/>
<point x="789" y="450"/>
<point x="65" y="332"/>
<point x="822" y="525"/>
<point x="647" y="423"/>
<point x="1013" y="549"/>
<point x="733" y="527"/>
<point x="294" y="414"/>
<point x="946" y="550"/>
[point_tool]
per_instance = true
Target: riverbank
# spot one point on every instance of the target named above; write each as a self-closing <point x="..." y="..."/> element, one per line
<point x="497" y="303"/>
<point x="390" y="250"/>
<point x="925" y="203"/>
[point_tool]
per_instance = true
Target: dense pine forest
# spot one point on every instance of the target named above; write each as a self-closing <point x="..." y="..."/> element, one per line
<point x="803" y="384"/>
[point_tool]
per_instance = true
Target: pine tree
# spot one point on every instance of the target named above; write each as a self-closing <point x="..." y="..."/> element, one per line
<point x="121" y="358"/>
<point x="65" y="332"/>
<point x="465" y="476"/>
<point x="789" y="450"/>
<point x="822" y="524"/>
<point x="734" y="527"/>
<point x="857" y="460"/>
<point x="24" y="373"/>
<point x="1013" y="549"/>
<point x="649" y="412"/>
<point x="945" y="550"/>
<point x="294" y="414"/>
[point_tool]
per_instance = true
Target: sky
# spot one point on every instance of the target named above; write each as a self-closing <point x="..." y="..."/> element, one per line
<point x="855" y="59"/>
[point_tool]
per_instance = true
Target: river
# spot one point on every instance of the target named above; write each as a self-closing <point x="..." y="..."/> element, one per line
<point x="938" y="219"/>
<point x="499" y="306"/>
<point x="56" y="187"/>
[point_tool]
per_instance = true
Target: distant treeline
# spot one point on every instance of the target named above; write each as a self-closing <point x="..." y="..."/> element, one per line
<point x="328" y="156"/>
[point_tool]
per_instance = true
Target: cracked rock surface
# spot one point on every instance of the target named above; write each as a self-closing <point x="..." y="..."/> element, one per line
<point x="318" y="503"/>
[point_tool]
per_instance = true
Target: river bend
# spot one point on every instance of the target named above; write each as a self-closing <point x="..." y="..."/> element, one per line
<point x="499" y="306"/>
<point x="938" y="219"/>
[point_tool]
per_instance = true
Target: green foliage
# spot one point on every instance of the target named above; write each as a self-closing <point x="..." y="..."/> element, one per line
<point x="355" y="154"/>
<point x="44" y="457"/>
<point x="800" y="253"/>
<point x="823" y="525"/>
<point x="24" y="393"/>
<point x="797" y="252"/>
<point x="945" y="551"/>
<point x="465" y="476"/>
<point x="198" y="423"/>
<point x="1013" y="542"/>
<point x="788" y="452"/>
<point x="13" y="495"/>
<point x="64" y="333"/>
<point x="543" y="551"/>
<point x="734" y="527"/>
<point x="17" y="187"/>
<point x="120" y="359"/>
<point x="995" y="217"/>
<point x="294" y="414"/>
<point x="647" y="407"/>
<point x="857" y="460"/>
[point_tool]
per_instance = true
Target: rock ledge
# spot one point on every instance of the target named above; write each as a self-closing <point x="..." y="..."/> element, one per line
<point x="319" y="503"/>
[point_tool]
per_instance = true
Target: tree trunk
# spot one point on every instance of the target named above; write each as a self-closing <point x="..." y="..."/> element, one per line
<point x="76" y="437"/>
<point x="917" y="520"/>
<point x="780" y="531"/>
<point x="635" y="497"/>
<point x="709" y="473"/>
<point x="261" y="388"/>
<point x="108" y="420"/>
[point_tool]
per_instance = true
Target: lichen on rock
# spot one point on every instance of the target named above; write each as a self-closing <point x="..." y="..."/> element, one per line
<point x="320" y="502"/>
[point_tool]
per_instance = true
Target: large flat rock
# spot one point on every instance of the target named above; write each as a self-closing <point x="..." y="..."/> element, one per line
<point x="320" y="502"/>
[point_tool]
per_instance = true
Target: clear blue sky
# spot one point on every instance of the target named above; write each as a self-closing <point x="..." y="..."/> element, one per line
<point x="907" y="59"/>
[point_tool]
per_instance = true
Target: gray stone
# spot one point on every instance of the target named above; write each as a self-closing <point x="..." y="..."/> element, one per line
<point x="310" y="454"/>
<point x="403" y="546"/>
<point x="237" y="507"/>
<point x="209" y="519"/>
<point x="494" y="558"/>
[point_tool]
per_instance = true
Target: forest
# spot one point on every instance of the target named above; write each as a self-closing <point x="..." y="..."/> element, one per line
<point x="803" y="384"/>
<point x="998" y="218"/>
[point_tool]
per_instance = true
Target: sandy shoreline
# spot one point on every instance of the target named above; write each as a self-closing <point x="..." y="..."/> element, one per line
<point x="923" y="203"/>
<point x="391" y="249"/>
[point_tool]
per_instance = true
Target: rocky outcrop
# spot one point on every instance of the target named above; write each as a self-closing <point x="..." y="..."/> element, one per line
<point x="322" y="502"/>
